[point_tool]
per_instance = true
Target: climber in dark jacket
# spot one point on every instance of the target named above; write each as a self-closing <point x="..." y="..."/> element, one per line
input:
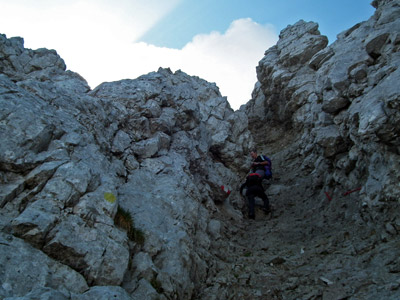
<point x="255" y="189"/>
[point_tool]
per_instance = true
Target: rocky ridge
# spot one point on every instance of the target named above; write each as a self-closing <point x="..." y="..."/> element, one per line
<point x="160" y="147"/>
<point x="157" y="146"/>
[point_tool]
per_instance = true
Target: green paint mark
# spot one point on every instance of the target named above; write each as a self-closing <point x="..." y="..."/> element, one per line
<point x="110" y="197"/>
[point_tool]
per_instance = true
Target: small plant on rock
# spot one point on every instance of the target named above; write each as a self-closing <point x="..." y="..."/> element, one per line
<point x="123" y="220"/>
<point x="247" y="254"/>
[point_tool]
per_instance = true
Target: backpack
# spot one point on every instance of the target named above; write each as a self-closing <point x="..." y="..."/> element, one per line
<point x="253" y="179"/>
<point x="268" y="168"/>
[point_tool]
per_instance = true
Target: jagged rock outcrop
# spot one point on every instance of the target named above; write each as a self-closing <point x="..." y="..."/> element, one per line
<point x="336" y="105"/>
<point x="329" y="118"/>
<point x="74" y="160"/>
<point x="158" y="146"/>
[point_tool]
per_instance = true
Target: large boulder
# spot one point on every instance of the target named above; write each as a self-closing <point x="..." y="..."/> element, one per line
<point x="25" y="268"/>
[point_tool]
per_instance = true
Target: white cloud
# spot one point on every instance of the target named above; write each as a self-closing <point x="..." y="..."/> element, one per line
<point x="230" y="59"/>
<point x="72" y="25"/>
<point x="96" y="38"/>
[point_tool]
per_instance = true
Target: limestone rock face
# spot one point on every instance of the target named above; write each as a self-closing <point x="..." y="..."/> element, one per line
<point x="115" y="193"/>
<point x="25" y="268"/>
<point x="157" y="146"/>
<point x="336" y="103"/>
<point x="328" y="115"/>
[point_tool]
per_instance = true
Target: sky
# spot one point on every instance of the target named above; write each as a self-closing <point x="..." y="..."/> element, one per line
<point x="221" y="41"/>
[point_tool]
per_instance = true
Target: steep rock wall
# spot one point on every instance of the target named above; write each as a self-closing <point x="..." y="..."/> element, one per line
<point x="328" y="116"/>
<point x="331" y="112"/>
<point x="158" y="147"/>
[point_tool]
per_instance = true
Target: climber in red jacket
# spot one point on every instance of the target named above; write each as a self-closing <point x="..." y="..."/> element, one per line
<point x="255" y="189"/>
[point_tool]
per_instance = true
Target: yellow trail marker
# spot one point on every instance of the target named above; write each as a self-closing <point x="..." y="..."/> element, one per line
<point x="110" y="197"/>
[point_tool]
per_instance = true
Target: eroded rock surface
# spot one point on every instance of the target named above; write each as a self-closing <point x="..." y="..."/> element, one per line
<point x="329" y="120"/>
<point x="157" y="146"/>
<point x="161" y="146"/>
